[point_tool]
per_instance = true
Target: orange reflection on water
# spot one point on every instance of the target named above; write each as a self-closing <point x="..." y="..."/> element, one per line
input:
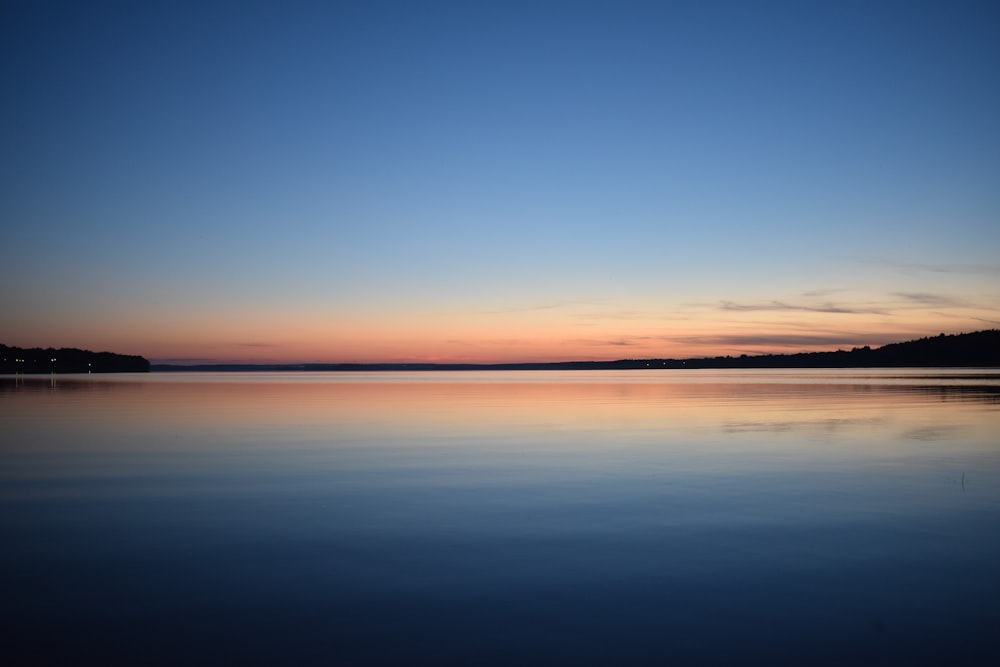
<point x="725" y="411"/>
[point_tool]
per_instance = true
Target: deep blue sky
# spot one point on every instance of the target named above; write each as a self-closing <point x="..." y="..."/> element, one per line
<point x="367" y="181"/>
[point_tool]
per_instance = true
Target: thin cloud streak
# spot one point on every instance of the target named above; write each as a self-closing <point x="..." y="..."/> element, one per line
<point x="530" y="308"/>
<point x="782" y="306"/>
<point x="957" y="268"/>
<point x="822" y="292"/>
<point x="928" y="299"/>
<point x="618" y="341"/>
<point x="815" y="342"/>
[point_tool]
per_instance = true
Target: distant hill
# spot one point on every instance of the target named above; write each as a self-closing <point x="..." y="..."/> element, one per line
<point x="67" y="360"/>
<point x="979" y="349"/>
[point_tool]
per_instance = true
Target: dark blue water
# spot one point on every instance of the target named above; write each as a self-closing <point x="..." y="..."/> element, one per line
<point x="695" y="518"/>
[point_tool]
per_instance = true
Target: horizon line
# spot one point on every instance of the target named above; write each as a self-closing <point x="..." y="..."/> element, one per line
<point x="290" y="365"/>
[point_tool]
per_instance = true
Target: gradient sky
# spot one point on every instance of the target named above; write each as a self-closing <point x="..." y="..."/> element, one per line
<point x="473" y="181"/>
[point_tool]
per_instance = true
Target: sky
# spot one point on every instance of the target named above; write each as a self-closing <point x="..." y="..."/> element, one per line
<point x="496" y="181"/>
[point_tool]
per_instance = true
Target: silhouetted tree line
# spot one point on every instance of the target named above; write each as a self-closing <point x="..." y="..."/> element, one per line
<point x="68" y="360"/>
<point x="981" y="348"/>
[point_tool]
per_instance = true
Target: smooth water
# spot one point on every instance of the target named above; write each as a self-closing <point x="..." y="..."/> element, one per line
<point x="521" y="518"/>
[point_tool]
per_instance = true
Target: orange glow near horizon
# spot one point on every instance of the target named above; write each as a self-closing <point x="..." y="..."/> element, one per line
<point x="440" y="332"/>
<point x="511" y="340"/>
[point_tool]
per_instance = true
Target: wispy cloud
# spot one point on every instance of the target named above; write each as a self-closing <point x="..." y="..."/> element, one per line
<point x="929" y="299"/>
<point x="811" y="341"/>
<point x="822" y="292"/>
<point x="541" y="305"/>
<point x="810" y="308"/>
<point x="622" y="341"/>
<point x="887" y="305"/>
<point x="956" y="267"/>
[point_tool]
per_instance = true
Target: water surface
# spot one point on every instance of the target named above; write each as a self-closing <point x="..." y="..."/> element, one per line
<point x="683" y="517"/>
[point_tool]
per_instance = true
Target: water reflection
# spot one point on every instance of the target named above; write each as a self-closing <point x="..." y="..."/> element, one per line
<point x="687" y="518"/>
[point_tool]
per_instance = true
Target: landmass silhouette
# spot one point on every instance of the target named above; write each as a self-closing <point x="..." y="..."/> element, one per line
<point x="976" y="349"/>
<point x="68" y="360"/>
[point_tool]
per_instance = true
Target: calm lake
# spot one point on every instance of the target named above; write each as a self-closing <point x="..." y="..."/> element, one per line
<point x="509" y="518"/>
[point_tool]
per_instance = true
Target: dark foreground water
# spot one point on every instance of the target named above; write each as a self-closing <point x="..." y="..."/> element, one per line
<point x="684" y="518"/>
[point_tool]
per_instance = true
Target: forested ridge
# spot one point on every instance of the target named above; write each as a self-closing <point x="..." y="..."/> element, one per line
<point x="68" y="360"/>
